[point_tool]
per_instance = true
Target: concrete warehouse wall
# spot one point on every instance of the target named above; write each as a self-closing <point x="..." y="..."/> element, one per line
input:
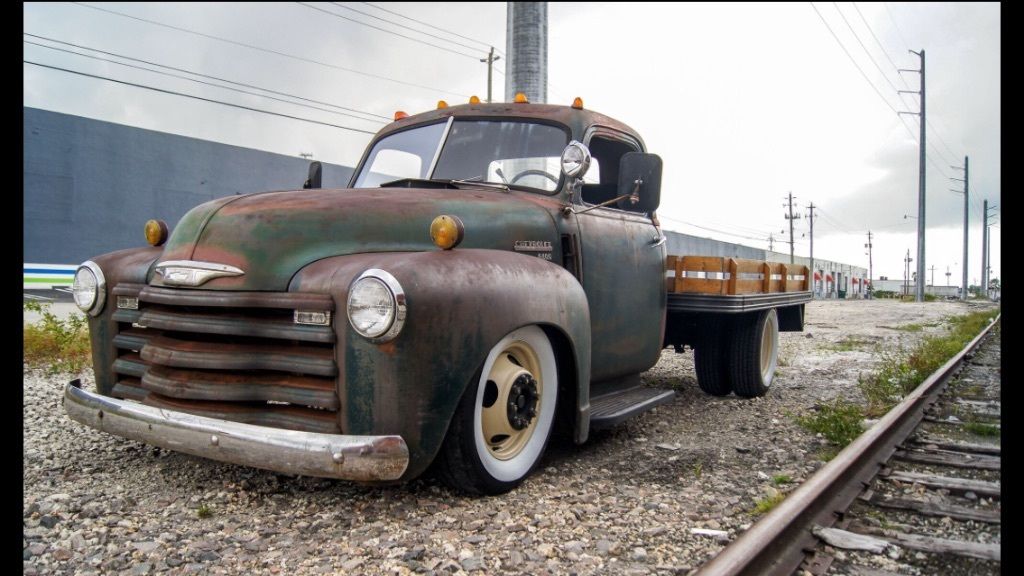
<point x="90" y="186"/>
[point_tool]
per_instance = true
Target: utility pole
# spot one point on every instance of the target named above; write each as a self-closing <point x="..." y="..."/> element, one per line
<point x="947" y="276"/>
<point x="810" y="217"/>
<point x="906" y="273"/>
<point x="966" y="193"/>
<point x="984" y="246"/>
<point x="871" y="271"/>
<point x="919" y="292"/>
<point x="984" y="249"/>
<point x="771" y="243"/>
<point x="791" y="217"/>
<point x="933" y="274"/>
<point x="490" y="60"/>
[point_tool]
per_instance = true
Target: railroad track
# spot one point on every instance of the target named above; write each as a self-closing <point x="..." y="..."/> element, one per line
<point x="917" y="493"/>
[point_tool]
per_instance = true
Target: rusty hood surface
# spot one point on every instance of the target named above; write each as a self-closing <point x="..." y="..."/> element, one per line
<point x="272" y="235"/>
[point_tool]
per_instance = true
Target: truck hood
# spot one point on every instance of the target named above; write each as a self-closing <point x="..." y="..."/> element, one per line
<point x="270" y="236"/>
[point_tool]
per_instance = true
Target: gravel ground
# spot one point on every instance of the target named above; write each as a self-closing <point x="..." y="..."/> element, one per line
<point x="624" y="503"/>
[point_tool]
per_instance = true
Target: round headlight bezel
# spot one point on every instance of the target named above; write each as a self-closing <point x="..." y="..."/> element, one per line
<point x="100" y="289"/>
<point x="397" y="302"/>
<point x="580" y="164"/>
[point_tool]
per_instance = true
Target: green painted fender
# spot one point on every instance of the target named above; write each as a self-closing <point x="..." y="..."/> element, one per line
<point x="460" y="303"/>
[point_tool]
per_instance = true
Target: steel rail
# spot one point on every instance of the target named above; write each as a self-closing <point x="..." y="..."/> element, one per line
<point x="776" y="544"/>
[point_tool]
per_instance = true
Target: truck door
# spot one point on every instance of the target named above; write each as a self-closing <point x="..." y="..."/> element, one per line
<point x="622" y="271"/>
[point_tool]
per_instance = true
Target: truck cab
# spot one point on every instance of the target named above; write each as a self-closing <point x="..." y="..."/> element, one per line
<point x="493" y="271"/>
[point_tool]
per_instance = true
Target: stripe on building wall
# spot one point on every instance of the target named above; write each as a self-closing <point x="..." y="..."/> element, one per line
<point x="39" y="276"/>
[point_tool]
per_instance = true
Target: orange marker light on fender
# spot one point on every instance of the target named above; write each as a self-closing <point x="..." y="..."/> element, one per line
<point x="441" y="104"/>
<point x="474" y="100"/>
<point x="399" y="115"/>
<point x="156" y="232"/>
<point x="521" y="98"/>
<point x="447" y="231"/>
<point x="578" y="103"/>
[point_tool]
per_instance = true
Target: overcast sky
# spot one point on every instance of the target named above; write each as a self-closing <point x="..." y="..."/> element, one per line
<point x="744" y="102"/>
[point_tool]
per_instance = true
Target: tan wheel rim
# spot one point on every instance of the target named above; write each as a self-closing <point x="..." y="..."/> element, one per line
<point x="768" y="344"/>
<point x="512" y="401"/>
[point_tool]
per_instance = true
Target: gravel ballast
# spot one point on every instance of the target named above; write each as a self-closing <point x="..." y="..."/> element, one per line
<point x="626" y="502"/>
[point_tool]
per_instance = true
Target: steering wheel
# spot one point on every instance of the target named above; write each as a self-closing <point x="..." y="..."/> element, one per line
<point x="533" y="172"/>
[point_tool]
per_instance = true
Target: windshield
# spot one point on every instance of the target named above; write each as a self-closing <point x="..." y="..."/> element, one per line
<point x="501" y="152"/>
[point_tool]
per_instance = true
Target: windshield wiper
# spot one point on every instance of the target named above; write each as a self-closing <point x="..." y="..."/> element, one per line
<point x="474" y="180"/>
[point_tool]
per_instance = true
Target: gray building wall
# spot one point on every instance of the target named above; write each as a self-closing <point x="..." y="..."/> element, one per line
<point x="90" y="186"/>
<point x="526" y="47"/>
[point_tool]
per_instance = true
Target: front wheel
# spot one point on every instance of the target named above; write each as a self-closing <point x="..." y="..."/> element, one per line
<point x="505" y="416"/>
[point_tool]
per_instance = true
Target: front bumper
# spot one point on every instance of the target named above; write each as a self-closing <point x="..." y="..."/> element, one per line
<point x="359" y="458"/>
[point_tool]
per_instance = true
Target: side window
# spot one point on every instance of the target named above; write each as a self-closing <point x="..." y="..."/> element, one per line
<point x="600" y="183"/>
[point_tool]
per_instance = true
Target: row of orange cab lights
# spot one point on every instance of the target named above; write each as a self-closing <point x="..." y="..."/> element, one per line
<point x="519" y="99"/>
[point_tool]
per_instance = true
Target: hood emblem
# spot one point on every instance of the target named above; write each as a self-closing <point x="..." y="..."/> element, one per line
<point x="193" y="273"/>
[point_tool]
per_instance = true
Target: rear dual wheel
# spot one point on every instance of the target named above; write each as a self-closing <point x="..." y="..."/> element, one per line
<point x="755" y="353"/>
<point x="738" y="354"/>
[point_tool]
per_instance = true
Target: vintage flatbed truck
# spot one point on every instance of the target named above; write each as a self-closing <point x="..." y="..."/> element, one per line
<point x="493" y="271"/>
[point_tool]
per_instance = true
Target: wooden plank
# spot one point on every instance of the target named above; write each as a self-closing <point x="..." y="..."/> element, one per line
<point x="958" y="485"/>
<point x="850" y="540"/>
<point x="988" y="515"/>
<point x="784" y="280"/>
<point x="733" y="277"/>
<point x="766" y="282"/>
<point x="703" y="263"/>
<point x="949" y="458"/>
<point x="748" y="287"/>
<point x="679" y="275"/>
<point x="992" y="449"/>
<point x="983" y="551"/>
<point x="702" y="286"/>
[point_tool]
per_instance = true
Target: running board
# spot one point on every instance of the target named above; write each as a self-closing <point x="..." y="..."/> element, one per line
<point x="611" y="408"/>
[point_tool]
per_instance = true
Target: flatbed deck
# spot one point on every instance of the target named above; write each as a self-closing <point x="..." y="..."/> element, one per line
<point x="720" y="284"/>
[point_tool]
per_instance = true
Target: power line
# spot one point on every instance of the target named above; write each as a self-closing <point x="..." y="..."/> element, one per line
<point x="204" y="75"/>
<point x="381" y="8"/>
<point x="865" y="48"/>
<point x="153" y="88"/>
<point x="268" y="50"/>
<point x="884" y="76"/>
<point x="393" y="23"/>
<point x="336" y="15"/>
<point x="201" y="81"/>
<point x="854" y="62"/>
<point x="907" y="46"/>
<point x="761" y="239"/>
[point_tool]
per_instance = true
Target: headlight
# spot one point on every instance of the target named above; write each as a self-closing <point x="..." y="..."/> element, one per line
<point x="575" y="159"/>
<point x="89" y="288"/>
<point x="376" y="305"/>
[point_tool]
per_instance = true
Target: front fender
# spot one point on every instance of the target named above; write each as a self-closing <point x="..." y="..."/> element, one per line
<point x="460" y="303"/>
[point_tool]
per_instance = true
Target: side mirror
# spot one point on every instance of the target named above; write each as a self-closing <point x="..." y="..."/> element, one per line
<point x="315" y="175"/>
<point x="640" y="174"/>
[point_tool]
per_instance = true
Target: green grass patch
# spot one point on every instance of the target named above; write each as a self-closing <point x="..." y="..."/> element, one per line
<point x="204" y="511"/>
<point x="982" y="429"/>
<point x="838" y="422"/>
<point x="766" y="504"/>
<point x="58" y="345"/>
<point x="780" y="479"/>
<point x="900" y="371"/>
<point x="911" y="327"/>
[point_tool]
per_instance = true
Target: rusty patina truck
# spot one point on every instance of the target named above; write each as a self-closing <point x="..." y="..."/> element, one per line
<point x="493" y="272"/>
